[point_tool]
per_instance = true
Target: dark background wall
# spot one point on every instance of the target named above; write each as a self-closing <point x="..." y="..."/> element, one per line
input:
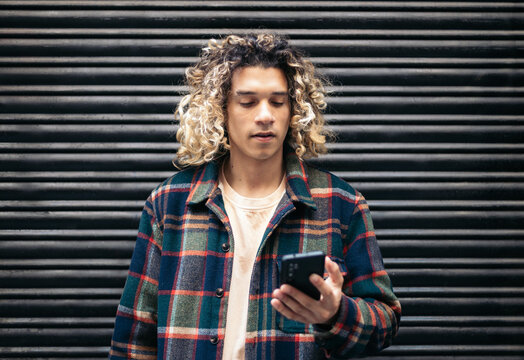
<point x="429" y="111"/>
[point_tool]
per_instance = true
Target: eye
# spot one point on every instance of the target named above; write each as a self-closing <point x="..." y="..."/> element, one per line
<point x="247" y="103"/>
<point x="278" y="103"/>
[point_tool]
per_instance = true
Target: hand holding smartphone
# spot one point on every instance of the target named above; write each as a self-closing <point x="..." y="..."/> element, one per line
<point x="296" y="269"/>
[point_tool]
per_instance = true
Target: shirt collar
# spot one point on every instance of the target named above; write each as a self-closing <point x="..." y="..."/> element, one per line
<point x="205" y="181"/>
<point x="297" y="180"/>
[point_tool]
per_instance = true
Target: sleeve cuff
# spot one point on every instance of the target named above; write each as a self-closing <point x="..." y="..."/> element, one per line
<point x="345" y="318"/>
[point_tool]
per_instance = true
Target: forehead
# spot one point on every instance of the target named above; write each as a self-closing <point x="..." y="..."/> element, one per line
<point x="258" y="79"/>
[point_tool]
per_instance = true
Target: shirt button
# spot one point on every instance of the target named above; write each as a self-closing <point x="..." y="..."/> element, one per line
<point x="214" y="340"/>
<point x="225" y="247"/>
<point x="219" y="292"/>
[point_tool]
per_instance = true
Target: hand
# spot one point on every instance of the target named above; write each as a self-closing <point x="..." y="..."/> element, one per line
<point x="295" y="305"/>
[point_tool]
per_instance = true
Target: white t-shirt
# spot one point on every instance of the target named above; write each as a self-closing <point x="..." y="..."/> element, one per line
<point x="249" y="218"/>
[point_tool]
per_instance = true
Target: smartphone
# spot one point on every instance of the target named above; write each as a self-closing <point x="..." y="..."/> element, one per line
<point x="296" y="269"/>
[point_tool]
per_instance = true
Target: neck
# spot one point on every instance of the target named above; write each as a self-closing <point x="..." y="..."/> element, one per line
<point x="257" y="179"/>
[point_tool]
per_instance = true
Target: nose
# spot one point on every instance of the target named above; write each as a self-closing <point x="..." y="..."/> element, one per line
<point x="264" y="114"/>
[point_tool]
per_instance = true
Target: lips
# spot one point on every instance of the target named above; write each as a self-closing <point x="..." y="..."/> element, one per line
<point x="264" y="136"/>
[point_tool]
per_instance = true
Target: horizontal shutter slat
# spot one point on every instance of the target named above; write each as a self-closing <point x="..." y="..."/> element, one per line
<point x="426" y="103"/>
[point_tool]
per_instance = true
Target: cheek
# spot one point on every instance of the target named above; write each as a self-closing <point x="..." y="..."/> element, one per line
<point x="285" y="117"/>
<point x="287" y="113"/>
<point x="235" y="126"/>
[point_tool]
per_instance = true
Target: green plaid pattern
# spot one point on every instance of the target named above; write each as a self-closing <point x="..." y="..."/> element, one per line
<point x="175" y="299"/>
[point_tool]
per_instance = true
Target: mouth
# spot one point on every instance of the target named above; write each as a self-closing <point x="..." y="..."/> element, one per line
<point x="264" y="136"/>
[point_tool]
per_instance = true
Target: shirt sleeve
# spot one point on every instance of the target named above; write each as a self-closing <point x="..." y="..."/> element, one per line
<point x="370" y="312"/>
<point x="135" y="332"/>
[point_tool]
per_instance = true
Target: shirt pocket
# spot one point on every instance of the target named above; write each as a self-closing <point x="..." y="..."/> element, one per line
<point x="295" y="327"/>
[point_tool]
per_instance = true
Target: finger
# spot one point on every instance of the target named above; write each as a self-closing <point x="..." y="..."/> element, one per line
<point x="322" y="285"/>
<point x="334" y="272"/>
<point x="334" y="280"/>
<point x="296" y="300"/>
<point x="287" y="312"/>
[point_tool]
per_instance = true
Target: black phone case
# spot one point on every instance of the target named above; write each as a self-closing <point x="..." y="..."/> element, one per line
<point x="296" y="269"/>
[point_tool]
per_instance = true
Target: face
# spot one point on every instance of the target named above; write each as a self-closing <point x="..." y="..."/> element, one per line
<point x="258" y="114"/>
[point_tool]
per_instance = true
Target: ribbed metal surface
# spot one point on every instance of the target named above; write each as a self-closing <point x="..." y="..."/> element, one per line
<point x="427" y="103"/>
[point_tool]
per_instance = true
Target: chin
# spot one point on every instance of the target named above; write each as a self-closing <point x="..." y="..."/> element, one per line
<point x="263" y="156"/>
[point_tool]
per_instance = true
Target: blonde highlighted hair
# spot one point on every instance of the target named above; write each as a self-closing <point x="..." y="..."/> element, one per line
<point x="202" y="113"/>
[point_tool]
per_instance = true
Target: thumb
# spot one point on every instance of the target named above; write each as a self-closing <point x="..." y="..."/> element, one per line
<point x="334" y="272"/>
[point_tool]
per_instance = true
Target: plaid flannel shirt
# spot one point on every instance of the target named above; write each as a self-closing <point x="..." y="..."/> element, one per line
<point x="175" y="299"/>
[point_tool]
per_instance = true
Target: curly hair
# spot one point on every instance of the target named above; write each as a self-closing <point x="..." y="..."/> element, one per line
<point x="201" y="113"/>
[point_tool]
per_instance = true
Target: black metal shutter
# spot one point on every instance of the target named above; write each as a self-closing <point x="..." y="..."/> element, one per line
<point x="429" y="110"/>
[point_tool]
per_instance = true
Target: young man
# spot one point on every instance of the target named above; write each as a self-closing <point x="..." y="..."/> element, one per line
<point x="204" y="278"/>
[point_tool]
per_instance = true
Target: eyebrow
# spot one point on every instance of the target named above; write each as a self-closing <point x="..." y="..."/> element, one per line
<point x="278" y="93"/>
